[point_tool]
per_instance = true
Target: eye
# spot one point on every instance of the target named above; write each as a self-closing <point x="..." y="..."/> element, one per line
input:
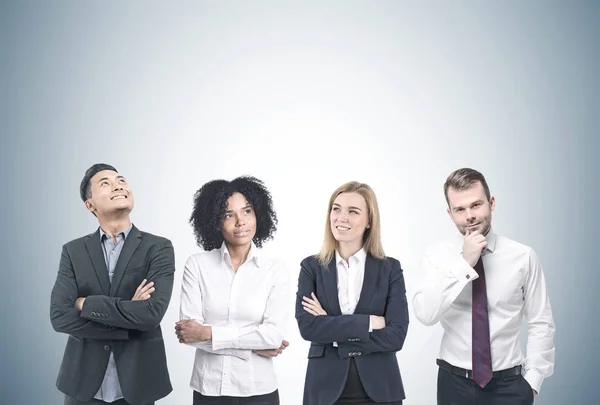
<point x="104" y="183"/>
<point x="353" y="212"/>
<point x="336" y="209"/>
<point x="459" y="209"/>
<point x="122" y="181"/>
<point x="248" y="211"/>
<point x="228" y="216"/>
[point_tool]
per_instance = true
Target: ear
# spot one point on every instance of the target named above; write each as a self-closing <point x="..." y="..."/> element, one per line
<point x="90" y="206"/>
<point x="492" y="203"/>
<point x="449" y="212"/>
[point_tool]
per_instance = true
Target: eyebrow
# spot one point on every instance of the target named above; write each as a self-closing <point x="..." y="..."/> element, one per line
<point x="241" y="209"/>
<point x="350" y="207"/>
<point x="474" y="202"/>
<point x="106" y="178"/>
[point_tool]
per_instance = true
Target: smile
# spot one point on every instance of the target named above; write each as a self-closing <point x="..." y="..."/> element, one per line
<point x="118" y="197"/>
<point x="241" y="234"/>
<point x="342" y="228"/>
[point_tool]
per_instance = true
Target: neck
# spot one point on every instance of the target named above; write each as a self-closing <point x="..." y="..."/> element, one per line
<point x="238" y="254"/>
<point x="114" y="226"/>
<point x="349" y="249"/>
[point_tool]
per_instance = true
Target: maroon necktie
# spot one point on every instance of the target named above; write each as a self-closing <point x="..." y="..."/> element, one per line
<point x="482" y="352"/>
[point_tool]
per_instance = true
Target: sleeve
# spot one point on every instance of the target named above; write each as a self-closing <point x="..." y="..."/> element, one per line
<point x="325" y="328"/>
<point x="141" y="315"/>
<point x="65" y="318"/>
<point x="539" y="363"/>
<point x="443" y="277"/>
<point x="391" y="338"/>
<point x="267" y="335"/>
<point x="191" y="308"/>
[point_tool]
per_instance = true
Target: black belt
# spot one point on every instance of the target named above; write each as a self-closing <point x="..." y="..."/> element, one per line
<point x="509" y="372"/>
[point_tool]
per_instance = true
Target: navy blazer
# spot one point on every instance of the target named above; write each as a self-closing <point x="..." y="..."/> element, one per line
<point x="384" y="294"/>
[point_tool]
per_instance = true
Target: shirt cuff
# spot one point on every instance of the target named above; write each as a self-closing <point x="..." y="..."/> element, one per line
<point x="462" y="271"/>
<point x="224" y="338"/>
<point x="370" y="325"/>
<point x="534" y="379"/>
<point x="335" y="344"/>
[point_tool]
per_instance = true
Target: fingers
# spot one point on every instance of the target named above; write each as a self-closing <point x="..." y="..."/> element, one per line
<point x="285" y="343"/>
<point x="144" y="291"/>
<point x="148" y="288"/>
<point x="268" y="353"/>
<point x="313" y="309"/>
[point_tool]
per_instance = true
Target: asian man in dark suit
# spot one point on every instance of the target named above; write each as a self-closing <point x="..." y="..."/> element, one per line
<point x="351" y="305"/>
<point x="111" y="292"/>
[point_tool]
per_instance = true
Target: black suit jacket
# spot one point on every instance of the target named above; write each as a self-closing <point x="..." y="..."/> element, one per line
<point x="110" y="320"/>
<point x="383" y="293"/>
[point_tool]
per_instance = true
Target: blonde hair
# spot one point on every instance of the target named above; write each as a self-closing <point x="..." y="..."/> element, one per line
<point x="372" y="235"/>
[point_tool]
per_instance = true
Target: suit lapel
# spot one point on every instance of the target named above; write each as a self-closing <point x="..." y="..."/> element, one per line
<point x="369" y="281"/>
<point x="131" y="243"/>
<point x="331" y="289"/>
<point x="94" y="248"/>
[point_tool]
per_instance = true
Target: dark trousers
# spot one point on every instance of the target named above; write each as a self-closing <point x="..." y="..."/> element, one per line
<point x="73" y="401"/>
<point x="266" y="399"/>
<point x="455" y="389"/>
<point x="354" y="393"/>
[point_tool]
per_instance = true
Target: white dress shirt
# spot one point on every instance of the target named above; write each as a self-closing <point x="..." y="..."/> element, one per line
<point x="350" y="280"/>
<point x="516" y="288"/>
<point x="351" y="275"/>
<point x="247" y="310"/>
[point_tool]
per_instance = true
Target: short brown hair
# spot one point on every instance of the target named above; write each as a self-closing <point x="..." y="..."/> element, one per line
<point x="463" y="179"/>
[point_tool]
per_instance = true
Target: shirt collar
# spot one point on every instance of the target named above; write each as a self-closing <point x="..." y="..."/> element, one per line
<point x="253" y="254"/>
<point x="360" y="256"/>
<point x="124" y="232"/>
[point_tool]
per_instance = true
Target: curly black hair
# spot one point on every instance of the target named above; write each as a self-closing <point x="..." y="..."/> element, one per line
<point x="210" y="204"/>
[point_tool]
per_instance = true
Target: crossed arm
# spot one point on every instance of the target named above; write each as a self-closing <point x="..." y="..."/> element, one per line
<point x="264" y="339"/>
<point x="351" y="331"/>
<point x="77" y="316"/>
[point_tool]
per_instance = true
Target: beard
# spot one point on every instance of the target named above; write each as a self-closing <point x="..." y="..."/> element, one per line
<point x="485" y="225"/>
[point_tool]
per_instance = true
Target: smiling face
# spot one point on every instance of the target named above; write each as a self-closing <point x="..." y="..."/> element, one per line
<point x="239" y="221"/>
<point x="470" y="209"/>
<point x="110" y="194"/>
<point x="349" y="218"/>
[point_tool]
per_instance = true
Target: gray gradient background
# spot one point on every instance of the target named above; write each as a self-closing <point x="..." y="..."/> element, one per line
<point x="305" y="95"/>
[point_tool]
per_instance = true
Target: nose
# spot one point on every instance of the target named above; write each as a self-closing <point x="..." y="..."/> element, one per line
<point x="240" y="221"/>
<point x="343" y="216"/>
<point x="117" y="187"/>
<point x="470" y="215"/>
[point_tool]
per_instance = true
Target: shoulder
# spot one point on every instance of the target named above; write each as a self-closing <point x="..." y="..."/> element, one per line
<point x="389" y="263"/>
<point x="155" y="239"/>
<point x="443" y="248"/>
<point x="79" y="243"/>
<point x="518" y="250"/>
<point x="200" y="259"/>
<point x="509" y="244"/>
<point x="311" y="262"/>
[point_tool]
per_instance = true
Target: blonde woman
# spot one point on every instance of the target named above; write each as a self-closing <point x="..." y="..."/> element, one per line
<point x="351" y="305"/>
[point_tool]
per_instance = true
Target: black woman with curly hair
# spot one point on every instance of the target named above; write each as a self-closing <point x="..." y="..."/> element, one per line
<point x="234" y="300"/>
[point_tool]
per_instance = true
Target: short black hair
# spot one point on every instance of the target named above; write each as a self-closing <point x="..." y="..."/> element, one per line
<point x="210" y="204"/>
<point x="85" y="189"/>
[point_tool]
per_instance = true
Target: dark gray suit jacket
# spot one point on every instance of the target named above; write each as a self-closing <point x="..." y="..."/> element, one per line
<point x="110" y="320"/>
<point x="384" y="294"/>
